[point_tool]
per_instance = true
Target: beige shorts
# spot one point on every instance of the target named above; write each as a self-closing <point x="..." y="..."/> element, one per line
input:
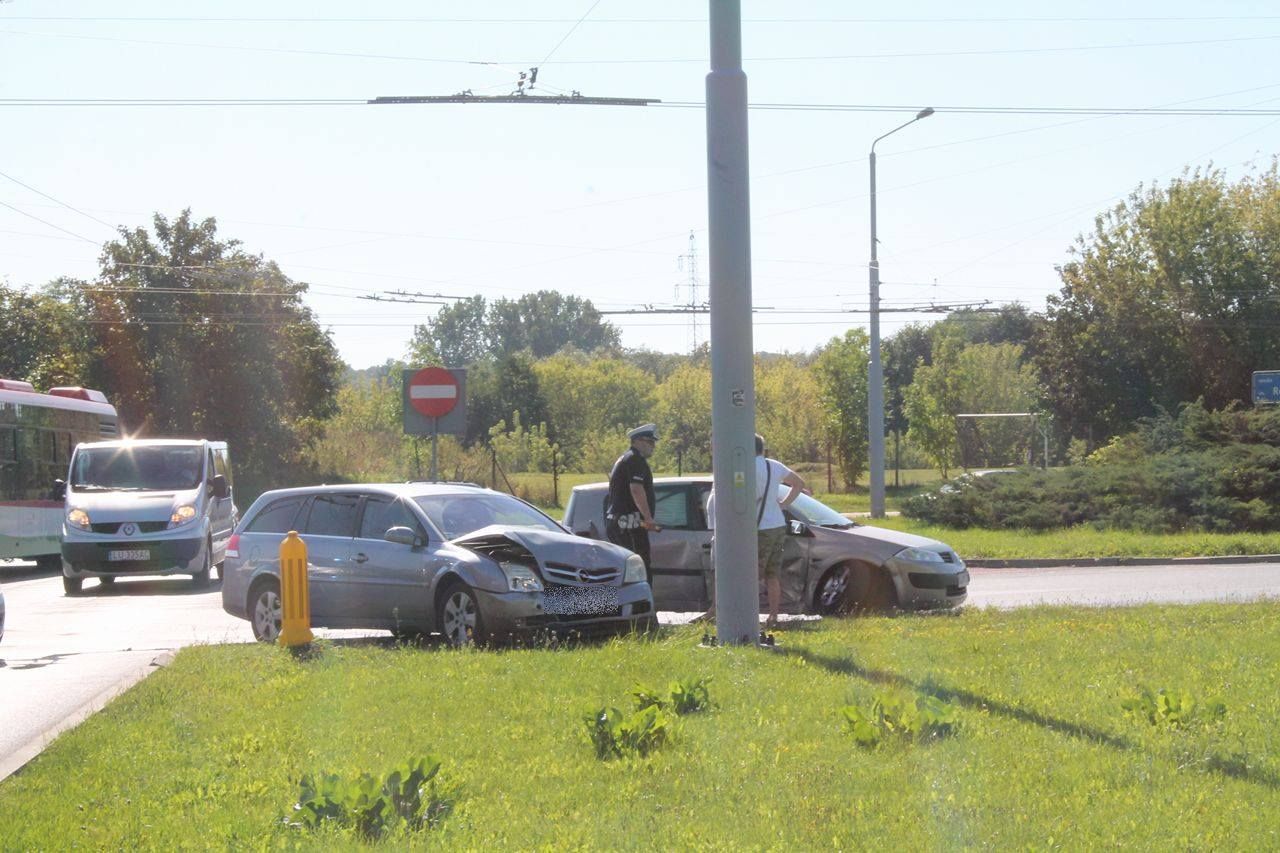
<point x="769" y="549"/>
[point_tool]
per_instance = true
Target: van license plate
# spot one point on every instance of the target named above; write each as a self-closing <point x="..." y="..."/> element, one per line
<point x="128" y="556"/>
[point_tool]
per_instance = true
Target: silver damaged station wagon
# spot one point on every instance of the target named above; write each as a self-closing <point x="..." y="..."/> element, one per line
<point x="472" y="564"/>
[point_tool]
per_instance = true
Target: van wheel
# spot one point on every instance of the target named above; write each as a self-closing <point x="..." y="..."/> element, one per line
<point x="266" y="613"/>
<point x="201" y="578"/>
<point x="72" y="586"/>
<point x="458" y="616"/>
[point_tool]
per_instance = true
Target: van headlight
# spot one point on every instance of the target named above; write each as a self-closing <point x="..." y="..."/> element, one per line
<point x="520" y="578"/>
<point x="635" y="572"/>
<point x="79" y="519"/>
<point x="182" y="515"/>
<point x="920" y="555"/>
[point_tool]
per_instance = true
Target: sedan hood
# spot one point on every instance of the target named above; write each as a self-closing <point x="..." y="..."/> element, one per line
<point x="898" y="538"/>
<point x="548" y="546"/>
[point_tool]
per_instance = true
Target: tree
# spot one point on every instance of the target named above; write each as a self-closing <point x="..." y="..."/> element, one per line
<point x="682" y="411"/>
<point x="197" y="337"/>
<point x="1175" y="295"/>
<point x="544" y="322"/>
<point x="980" y="378"/>
<point x="44" y="338"/>
<point x="496" y="390"/>
<point x="458" y="336"/>
<point x="788" y="409"/>
<point x="591" y="396"/>
<point x="841" y="369"/>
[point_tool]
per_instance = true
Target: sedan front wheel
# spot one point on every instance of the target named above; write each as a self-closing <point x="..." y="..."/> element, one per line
<point x="458" y="616"/>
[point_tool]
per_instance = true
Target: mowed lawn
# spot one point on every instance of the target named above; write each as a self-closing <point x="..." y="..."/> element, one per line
<point x="207" y="752"/>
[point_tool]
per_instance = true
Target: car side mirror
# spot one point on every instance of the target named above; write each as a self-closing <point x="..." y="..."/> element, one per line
<point x="218" y="485"/>
<point x="798" y="528"/>
<point x="59" y="491"/>
<point x="402" y="536"/>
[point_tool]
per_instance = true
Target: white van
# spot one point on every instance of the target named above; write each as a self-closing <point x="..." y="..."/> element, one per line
<point x="146" y="507"/>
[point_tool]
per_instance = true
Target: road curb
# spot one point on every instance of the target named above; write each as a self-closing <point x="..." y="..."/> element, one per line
<point x="19" y="758"/>
<point x="1068" y="562"/>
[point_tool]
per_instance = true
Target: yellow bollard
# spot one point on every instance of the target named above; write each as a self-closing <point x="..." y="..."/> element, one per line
<point x="295" y="599"/>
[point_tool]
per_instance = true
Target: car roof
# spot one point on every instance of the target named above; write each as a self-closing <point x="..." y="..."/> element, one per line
<point x="657" y="481"/>
<point x="406" y="490"/>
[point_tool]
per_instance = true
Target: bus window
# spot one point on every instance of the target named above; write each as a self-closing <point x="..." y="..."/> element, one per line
<point x="8" y="445"/>
<point x="62" y="448"/>
<point x="48" y="448"/>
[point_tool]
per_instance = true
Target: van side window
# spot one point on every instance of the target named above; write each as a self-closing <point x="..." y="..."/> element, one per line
<point x="279" y="517"/>
<point x="209" y="466"/>
<point x="220" y="465"/>
<point x="333" y="515"/>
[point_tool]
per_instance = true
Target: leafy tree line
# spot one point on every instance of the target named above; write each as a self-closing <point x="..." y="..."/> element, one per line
<point x="1173" y="297"/>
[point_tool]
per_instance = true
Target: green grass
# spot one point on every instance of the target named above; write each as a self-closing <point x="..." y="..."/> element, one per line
<point x="1075" y="542"/>
<point x="207" y="752"/>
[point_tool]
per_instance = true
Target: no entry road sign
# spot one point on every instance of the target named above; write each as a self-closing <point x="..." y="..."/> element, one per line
<point x="434" y="400"/>
<point x="433" y="391"/>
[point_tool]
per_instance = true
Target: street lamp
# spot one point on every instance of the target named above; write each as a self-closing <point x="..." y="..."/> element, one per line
<point x="875" y="373"/>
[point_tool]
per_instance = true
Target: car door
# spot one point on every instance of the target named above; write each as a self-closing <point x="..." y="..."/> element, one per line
<point x="797" y="565"/>
<point x="681" y="550"/>
<point x="222" y="510"/>
<point x="389" y="578"/>
<point x="329" y="533"/>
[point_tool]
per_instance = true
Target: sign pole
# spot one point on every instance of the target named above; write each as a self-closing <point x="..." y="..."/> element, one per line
<point x="435" y="440"/>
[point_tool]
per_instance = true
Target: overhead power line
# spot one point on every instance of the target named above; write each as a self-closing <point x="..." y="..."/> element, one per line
<point x="468" y="96"/>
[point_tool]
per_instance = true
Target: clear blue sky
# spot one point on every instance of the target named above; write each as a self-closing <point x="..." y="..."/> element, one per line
<point x="600" y="201"/>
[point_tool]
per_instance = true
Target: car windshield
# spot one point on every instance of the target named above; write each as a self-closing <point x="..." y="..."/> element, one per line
<point x="146" y="468"/>
<point x="813" y="511"/>
<point x="459" y="514"/>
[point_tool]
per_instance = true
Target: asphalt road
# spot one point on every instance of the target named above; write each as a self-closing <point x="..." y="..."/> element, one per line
<point x="63" y="657"/>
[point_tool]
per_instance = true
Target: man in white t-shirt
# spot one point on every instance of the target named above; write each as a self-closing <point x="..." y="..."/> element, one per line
<point x="771" y="524"/>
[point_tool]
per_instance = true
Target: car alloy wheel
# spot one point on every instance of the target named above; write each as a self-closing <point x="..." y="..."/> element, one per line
<point x="833" y="592"/>
<point x="460" y="620"/>
<point x="267" y="613"/>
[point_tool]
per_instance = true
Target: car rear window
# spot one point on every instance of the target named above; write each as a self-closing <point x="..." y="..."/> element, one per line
<point x="333" y="515"/>
<point x="278" y="517"/>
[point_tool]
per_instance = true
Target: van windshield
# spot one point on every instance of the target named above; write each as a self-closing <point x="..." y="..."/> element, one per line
<point x="137" y="468"/>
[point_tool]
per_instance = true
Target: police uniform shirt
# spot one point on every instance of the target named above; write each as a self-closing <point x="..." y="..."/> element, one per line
<point x="630" y="468"/>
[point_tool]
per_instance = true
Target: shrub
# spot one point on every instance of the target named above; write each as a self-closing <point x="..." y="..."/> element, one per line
<point x="1171" y="708"/>
<point x="617" y="736"/>
<point x="686" y="696"/>
<point x="901" y="718"/>
<point x="407" y="797"/>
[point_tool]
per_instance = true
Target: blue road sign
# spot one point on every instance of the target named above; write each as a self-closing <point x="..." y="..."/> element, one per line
<point x="1266" y="386"/>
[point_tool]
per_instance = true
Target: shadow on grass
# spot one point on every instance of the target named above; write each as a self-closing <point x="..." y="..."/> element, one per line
<point x="1230" y="766"/>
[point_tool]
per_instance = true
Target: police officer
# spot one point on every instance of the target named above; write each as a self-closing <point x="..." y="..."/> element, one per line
<point x="629" y="511"/>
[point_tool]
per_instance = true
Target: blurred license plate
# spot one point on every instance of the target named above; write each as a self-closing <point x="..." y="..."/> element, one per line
<point x="128" y="556"/>
<point x="580" y="600"/>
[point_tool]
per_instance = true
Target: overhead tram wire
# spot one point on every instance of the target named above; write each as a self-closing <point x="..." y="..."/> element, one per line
<point x="923" y="20"/>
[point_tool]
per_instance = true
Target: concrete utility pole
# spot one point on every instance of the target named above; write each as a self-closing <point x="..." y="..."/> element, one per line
<point x="875" y="372"/>
<point x="733" y="399"/>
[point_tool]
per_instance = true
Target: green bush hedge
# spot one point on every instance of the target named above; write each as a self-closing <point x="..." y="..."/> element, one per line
<point x="1198" y="470"/>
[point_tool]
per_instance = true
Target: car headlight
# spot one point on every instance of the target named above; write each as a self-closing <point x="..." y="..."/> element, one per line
<point x="182" y="515"/>
<point x="635" y="572"/>
<point x="521" y="578"/>
<point x="920" y="555"/>
<point x="78" y="519"/>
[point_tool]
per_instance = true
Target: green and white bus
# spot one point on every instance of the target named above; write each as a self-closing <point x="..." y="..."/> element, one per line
<point x="37" y="434"/>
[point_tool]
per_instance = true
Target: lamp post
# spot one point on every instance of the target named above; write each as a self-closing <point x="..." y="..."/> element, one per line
<point x="875" y="373"/>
